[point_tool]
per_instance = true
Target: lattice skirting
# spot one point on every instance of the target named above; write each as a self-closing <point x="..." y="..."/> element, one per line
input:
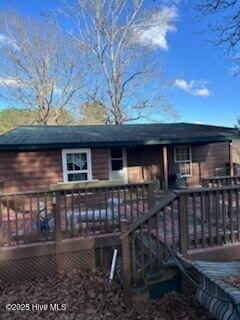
<point x="46" y="265"/>
<point x="104" y="256"/>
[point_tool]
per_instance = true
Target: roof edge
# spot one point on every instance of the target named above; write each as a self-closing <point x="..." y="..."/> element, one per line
<point x="200" y="140"/>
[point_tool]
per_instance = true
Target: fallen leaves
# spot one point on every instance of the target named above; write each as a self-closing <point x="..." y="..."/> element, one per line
<point x="89" y="296"/>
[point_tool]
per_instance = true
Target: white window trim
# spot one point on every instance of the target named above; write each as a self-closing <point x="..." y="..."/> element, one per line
<point x="184" y="161"/>
<point x="64" y="163"/>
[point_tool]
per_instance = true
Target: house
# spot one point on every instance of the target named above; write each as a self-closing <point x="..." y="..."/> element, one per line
<point x="34" y="157"/>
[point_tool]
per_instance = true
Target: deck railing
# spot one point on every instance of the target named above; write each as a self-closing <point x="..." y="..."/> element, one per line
<point x="184" y="220"/>
<point x="212" y="216"/>
<point x="28" y="217"/>
<point x="220" y="181"/>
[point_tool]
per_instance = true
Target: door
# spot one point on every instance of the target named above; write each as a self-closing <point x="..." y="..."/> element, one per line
<point x="118" y="164"/>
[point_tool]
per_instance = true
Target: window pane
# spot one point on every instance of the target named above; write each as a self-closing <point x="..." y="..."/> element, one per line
<point x="116" y="153"/>
<point x="77" y="176"/>
<point x="182" y="153"/>
<point x="80" y="161"/>
<point x="70" y="166"/>
<point x="117" y="164"/>
<point x="69" y="157"/>
<point x="184" y="168"/>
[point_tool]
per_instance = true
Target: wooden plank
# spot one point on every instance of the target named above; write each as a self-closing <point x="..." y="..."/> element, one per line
<point x="165" y="167"/>
<point x="158" y="207"/>
<point x="230" y="208"/>
<point x="52" y="247"/>
<point x="238" y="214"/>
<point x="183" y="224"/>
<point x="194" y="220"/>
<point x="231" y="158"/>
<point x="165" y="224"/>
<point x="127" y="295"/>
<point x="57" y="216"/>
<point x="202" y="208"/>
<point x="16" y="215"/>
<point x="1" y="226"/>
<point x="217" y="213"/>
<point x="224" y="216"/>
<point x="173" y="226"/>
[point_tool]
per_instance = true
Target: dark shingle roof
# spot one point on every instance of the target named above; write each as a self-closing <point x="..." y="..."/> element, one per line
<point x="46" y="137"/>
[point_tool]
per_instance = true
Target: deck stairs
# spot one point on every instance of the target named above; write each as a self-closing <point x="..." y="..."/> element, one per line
<point x="152" y="259"/>
<point x="151" y="264"/>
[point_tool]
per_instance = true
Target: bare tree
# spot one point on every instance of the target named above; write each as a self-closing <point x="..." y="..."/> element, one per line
<point x="224" y="20"/>
<point x="126" y="73"/>
<point x="39" y="67"/>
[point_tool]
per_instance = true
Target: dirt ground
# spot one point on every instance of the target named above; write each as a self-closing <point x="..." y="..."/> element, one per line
<point x="89" y="296"/>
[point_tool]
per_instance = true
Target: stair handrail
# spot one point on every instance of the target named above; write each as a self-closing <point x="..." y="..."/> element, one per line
<point x="145" y="217"/>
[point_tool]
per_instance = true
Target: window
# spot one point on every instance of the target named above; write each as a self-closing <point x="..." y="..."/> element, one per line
<point x="116" y="159"/>
<point x="76" y="164"/>
<point x="183" y="160"/>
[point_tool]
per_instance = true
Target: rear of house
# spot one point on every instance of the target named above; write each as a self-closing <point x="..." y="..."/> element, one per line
<point x="36" y="157"/>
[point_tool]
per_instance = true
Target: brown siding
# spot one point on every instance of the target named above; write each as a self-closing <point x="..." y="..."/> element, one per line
<point x="100" y="163"/>
<point x="205" y="159"/>
<point x="23" y="171"/>
<point x="144" y="163"/>
<point x="216" y="155"/>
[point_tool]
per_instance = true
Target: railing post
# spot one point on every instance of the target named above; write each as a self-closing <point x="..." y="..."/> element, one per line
<point x="126" y="265"/>
<point x="1" y="225"/>
<point x="151" y="195"/>
<point x="57" y="215"/>
<point x="183" y="228"/>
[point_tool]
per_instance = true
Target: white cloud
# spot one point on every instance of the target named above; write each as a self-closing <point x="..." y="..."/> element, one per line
<point x="10" y="82"/>
<point x="3" y="39"/>
<point x="198" y="122"/>
<point x="153" y="32"/>
<point x="196" y="88"/>
<point x="6" y="41"/>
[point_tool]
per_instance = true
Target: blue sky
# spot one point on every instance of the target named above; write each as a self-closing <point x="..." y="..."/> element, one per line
<point x="196" y="64"/>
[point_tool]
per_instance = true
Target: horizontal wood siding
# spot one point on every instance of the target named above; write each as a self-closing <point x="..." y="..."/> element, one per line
<point x="205" y="159"/>
<point x="23" y="171"/>
<point x="216" y="155"/>
<point x="100" y="163"/>
<point x="144" y="163"/>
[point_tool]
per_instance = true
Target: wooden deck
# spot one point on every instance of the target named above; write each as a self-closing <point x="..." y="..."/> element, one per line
<point x="70" y="213"/>
<point x="185" y="220"/>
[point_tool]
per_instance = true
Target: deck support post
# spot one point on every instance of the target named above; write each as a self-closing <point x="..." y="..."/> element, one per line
<point x="231" y="159"/>
<point x="183" y="223"/>
<point x="1" y="225"/>
<point x="165" y="167"/>
<point x="127" y="294"/>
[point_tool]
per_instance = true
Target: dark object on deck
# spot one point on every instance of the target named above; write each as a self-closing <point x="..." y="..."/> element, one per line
<point x="42" y="225"/>
<point x="45" y="221"/>
<point x="181" y="181"/>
